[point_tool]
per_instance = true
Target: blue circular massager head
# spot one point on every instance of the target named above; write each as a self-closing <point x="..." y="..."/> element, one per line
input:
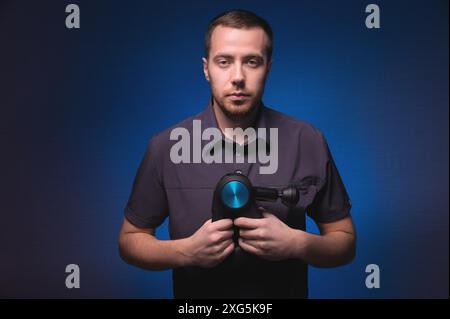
<point x="235" y="194"/>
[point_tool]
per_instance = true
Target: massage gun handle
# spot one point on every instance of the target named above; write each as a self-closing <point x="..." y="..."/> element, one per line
<point x="252" y="211"/>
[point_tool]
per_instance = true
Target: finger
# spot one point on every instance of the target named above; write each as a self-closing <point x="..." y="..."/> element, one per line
<point x="215" y="238"/>
<point x="207" y="222"/>
<point x="223" y="224"/>
<point x="224" y="245"/>
<point x="249" y="234"/>
<point x="249" y="248"/>
<point x="217" y="249"/>
<point x="258" y="244"/>
<point x="225" y="235"/>
<point x="267" y="214"/>
<point x="228" y="250"/>
<point x="250" y="223"/>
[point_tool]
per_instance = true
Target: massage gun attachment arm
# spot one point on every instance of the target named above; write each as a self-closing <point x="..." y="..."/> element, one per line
<point x="289" y="195"/>
<point x="265" y="194"/>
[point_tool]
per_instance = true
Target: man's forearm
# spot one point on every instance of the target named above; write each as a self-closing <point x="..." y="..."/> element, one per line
<point x="148" y="252"/>
<point x="328" y="250"/>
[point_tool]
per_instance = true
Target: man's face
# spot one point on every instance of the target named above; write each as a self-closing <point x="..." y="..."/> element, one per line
<point x="237" y="68"/>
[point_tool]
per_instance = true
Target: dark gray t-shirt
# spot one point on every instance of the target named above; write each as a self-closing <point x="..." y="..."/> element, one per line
<point x="183" y="192"/>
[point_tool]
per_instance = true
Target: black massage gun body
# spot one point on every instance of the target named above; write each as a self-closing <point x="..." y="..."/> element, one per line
<point x="246" y="206"/>
<point x="221" y="211"/>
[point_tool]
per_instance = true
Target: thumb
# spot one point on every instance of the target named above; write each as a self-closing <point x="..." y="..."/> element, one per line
<point x="266" y="214"/>
<point x="207" y="222"/>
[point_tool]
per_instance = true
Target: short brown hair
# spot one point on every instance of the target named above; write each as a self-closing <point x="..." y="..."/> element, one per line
<point x="239" y="19"/>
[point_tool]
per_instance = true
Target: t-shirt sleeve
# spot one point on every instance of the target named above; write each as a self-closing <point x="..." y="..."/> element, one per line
<point x="147" y="205"/>
<point x="331" y="202"/>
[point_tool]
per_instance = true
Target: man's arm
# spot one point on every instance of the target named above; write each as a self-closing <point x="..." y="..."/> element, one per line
<point x="140" y="247"/>
<point x="335" y="246"/>
<point x="206" y="248"/>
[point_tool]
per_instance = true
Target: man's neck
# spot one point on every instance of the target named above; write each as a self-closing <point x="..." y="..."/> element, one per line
<point x="224" y="121"/>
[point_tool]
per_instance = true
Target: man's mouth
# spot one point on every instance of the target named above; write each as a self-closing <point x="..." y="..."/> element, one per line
<point x="238" y="96"/>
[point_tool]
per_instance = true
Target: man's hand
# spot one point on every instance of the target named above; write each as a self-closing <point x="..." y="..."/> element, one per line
<point x="271" y="239"/>
<point x="267" y="237"/>
<point x="211" y="243"/>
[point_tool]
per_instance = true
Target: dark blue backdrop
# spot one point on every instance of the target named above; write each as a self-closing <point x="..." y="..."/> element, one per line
<point x="78" y="106"/>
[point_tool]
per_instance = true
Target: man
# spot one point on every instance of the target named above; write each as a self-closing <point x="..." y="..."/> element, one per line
<point x="237" y="61"/>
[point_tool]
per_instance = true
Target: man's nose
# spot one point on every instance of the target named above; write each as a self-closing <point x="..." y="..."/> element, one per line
<point x="238" y="76"/>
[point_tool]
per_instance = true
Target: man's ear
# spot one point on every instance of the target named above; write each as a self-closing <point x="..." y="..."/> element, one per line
<point x="205" y="68"/>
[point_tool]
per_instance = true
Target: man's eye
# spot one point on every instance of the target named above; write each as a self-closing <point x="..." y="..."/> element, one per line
<point x="253" y="63"/>
<point x="223" y="62"/>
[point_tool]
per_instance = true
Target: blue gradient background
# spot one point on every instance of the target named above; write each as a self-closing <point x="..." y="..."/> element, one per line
<point x="78" y="107"/>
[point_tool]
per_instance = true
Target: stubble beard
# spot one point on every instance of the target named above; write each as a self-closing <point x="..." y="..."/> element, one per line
<point x="236" y="112"/>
